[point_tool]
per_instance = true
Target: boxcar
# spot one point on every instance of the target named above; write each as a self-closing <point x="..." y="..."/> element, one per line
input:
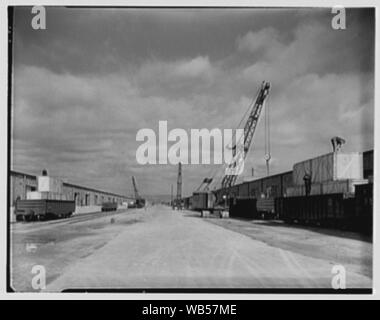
<point x="202" y="201"/>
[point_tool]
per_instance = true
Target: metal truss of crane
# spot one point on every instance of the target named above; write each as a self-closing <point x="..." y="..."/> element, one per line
<point x="240" y="150"/>
<point x="179" y="182"/>
<point x="137" y="196"/>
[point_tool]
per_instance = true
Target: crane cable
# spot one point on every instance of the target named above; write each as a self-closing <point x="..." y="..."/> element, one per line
<point x="267" y="135"/>
<point x="219" y="168"/>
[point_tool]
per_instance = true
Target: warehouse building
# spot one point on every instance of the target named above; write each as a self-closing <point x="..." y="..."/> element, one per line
<point x="86" y="199"/>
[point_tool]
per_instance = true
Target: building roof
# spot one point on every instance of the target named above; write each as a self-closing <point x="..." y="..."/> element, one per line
<point x="67" y="184"/>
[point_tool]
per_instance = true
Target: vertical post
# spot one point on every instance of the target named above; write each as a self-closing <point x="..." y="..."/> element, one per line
<point x="171" y="196"/>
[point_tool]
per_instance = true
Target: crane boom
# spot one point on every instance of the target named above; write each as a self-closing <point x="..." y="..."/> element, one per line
<point x="239" y="154"/>
<point x="137" y="196"/>
<point x="140" y="202"/>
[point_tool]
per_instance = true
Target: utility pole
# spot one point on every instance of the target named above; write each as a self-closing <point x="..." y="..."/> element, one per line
<point x="179" y="186"/>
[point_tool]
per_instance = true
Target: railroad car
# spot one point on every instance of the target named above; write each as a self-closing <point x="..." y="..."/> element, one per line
<point x="330" y="210"/>
<point x="340" y="198"/>
<point x="264" y="191"/>
<point x="364" y="207"/>
<point x="202" y="201"/>
<point x="325" y="210"/>
<point x="243" y="208"/>
<point x="109" y="206"/>
<point x="140" y="203"/>
<point x="41" y="209"/>
<point x="368" y="164"/>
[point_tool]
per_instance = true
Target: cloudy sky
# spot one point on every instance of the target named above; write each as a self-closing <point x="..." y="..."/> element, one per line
<point x="84" y="87"/>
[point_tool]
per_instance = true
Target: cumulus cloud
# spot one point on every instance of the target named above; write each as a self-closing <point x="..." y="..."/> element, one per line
<point x="265" y="41"/>
<point x="80" y="121"/>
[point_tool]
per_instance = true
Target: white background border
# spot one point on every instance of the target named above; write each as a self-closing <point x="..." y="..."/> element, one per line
<point x="171" y="296"/>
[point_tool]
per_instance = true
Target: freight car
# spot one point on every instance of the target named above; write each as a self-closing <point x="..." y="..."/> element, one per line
<point x="41" y="209"/>
<point x="324" y="210"/>
<point x="364" y="208"/>
<point x="205" y="202"/>
<point x="330" y="210"/>
<point x="109" y="206"/>
<point x="263" y="191"/>
<point x="202" y="201"/>
<point x="140" y="203"/>
<point x="368" y="164"/>
<point x="243" y="208"/>
<point x="137" y="204"/>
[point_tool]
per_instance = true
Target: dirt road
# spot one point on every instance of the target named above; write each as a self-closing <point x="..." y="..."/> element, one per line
<point x="161" y="248"/>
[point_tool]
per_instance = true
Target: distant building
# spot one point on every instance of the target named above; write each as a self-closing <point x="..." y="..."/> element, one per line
<point x="22" y="183"/>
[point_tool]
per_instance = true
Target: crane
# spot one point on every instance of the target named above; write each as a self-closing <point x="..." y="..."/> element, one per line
<point x="204" y="186"/>
<point x="239" y="153"/>
<point x="140" y="202"/>
<point x="202" y="197"/>
<point x="178" y="200"/>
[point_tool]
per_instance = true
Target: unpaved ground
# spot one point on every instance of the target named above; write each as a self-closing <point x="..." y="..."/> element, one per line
<point x="161" y="248"/>
<point x="352" y="250"/>
<point x="57" y="244"/>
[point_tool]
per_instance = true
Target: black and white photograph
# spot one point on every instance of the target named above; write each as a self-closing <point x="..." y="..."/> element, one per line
<point x="190" y="149"/>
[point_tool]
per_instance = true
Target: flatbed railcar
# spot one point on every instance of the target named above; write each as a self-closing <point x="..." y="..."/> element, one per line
<point x="42" y="209"/>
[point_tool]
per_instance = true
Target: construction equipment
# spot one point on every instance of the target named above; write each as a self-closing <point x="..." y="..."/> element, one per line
<point x="239" y="154"/>
<point x="139" y="201"/>
<point x="178" y="201"/>
<point x="240" y="150"/>
<point x="204" y="186"/>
